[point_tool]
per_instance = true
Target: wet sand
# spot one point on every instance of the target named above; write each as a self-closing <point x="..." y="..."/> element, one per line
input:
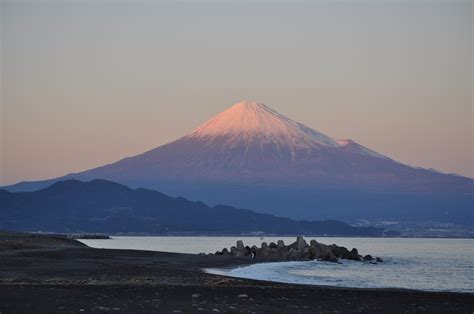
<point x="41" y="274"/>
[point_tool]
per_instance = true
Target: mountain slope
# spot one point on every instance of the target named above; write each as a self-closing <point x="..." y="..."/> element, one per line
<point x="251" y="156"/>
<point x="104" y="206"/>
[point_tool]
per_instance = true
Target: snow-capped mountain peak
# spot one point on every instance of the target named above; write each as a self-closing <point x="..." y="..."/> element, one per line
<point x="251" y="156"/>
<point x="248" y="120"/>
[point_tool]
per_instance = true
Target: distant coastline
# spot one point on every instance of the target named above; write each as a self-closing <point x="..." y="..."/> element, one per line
<point x="251" y="234"/>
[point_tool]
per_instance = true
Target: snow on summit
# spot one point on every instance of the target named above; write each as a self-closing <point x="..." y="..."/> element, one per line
<point x="254" y="121"/>
<point x="250" y="123"/>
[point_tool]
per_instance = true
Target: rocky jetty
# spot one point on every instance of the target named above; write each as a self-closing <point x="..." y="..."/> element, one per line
<point x="300" y="250"/>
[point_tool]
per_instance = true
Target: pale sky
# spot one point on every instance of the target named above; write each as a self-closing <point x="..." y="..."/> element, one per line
<point x="85" y="83"/>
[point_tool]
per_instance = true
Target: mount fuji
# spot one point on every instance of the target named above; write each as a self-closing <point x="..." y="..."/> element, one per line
<point x="251" y="156"/>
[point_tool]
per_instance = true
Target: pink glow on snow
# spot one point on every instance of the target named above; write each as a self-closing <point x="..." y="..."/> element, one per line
<point x="255" y="120"/>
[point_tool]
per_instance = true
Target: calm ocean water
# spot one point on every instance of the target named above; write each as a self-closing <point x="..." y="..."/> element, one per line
<point x="422" y="264"/>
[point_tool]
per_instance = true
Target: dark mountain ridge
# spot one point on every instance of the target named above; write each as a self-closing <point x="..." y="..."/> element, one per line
<point x="108" y="207"/>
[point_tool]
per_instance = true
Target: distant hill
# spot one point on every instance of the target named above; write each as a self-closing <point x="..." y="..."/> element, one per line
<point x="108" y="207"/>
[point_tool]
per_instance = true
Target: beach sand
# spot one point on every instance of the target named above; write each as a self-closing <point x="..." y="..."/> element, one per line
<point x="42" y="274"/>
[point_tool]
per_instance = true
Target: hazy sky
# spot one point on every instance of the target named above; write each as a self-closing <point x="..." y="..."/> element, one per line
<point x="86" y="83"/>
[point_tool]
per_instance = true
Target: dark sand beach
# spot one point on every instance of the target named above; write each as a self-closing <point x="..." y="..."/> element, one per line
<point x="41" y="274"/>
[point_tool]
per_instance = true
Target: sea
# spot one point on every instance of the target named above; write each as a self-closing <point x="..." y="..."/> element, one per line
<point x="427" y="264"/>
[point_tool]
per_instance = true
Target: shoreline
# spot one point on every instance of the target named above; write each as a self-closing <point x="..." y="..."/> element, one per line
<point x="225" y="271"/>
<point x="74" y="277"/>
